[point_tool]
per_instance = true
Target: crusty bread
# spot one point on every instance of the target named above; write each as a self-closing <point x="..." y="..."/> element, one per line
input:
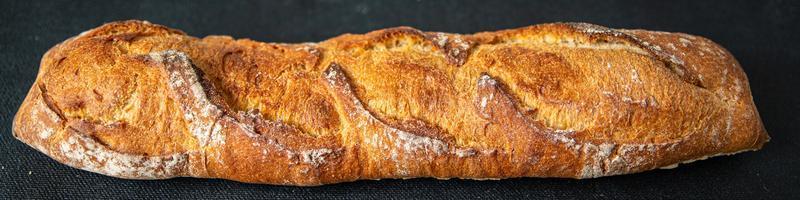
<point x="141" y="101"/>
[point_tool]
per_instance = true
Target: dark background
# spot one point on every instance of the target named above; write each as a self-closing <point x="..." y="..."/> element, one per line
<point x="762" y="35"/>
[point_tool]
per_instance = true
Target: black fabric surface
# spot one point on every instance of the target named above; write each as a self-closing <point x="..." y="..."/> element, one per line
<point x="762" y="35"/>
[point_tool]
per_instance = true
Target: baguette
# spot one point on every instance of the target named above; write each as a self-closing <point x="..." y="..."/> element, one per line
<point x="137" y="100"/>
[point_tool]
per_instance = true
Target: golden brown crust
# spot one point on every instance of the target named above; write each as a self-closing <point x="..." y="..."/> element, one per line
<point x="137" y="100"/>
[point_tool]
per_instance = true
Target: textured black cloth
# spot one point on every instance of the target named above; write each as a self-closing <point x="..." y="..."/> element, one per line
<point x="762" y="35"/>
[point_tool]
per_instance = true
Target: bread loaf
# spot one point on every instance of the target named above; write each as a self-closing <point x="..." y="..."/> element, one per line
<point x="142" y="101"/>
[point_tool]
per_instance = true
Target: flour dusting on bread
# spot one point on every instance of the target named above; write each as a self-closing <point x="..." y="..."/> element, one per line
<point x="569" y="100"/>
